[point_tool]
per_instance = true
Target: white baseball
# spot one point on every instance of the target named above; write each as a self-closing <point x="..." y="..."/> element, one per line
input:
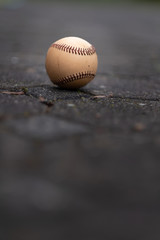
<point x="71" y="62"/>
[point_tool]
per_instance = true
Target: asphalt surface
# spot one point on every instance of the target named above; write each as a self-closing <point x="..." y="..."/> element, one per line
<point x="80" y="164"/>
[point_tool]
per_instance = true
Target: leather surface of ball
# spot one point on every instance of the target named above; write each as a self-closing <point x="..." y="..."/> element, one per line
<point x="71" y="62"/>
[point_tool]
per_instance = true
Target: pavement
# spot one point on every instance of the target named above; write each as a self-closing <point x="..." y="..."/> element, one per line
<point x="80" y="164"/>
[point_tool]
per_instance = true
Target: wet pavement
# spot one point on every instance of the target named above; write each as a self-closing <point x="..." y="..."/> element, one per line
<point x="80" y="164"/>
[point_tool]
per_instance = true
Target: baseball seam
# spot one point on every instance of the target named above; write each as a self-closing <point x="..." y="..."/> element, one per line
<point x="74" y="77"/>
<point x="75" y="50"/>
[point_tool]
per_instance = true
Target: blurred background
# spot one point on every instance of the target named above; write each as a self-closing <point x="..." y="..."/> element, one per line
<point x="5" y="2"/>
<point x="103" y="1"/>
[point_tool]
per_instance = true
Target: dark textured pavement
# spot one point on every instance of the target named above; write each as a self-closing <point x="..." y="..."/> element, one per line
<point x="80" y="164"/>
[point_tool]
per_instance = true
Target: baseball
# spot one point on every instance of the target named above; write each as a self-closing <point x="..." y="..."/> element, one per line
<point x="71" y="62"/>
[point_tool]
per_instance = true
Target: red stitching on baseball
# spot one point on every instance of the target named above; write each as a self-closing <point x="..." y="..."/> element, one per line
<point x="81" y="51"/>
<point x="74" y="77"/>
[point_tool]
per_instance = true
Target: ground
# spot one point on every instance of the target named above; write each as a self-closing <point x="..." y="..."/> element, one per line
<point x="80" y="164"/>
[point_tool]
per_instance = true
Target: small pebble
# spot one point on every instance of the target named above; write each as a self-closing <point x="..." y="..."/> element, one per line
<point x="102" y="86"/>
<point x="141" y="104"/>
<point x="139" y="127"/>
<point x="71" y="105"/>
<point x="100" y="96"/>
